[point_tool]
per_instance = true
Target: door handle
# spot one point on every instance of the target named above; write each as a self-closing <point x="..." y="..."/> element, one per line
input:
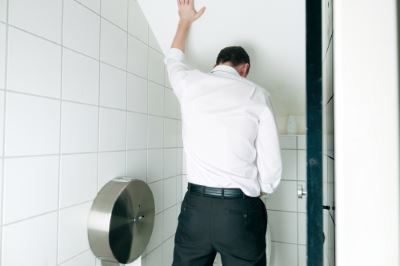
<point x="301" y="192"/>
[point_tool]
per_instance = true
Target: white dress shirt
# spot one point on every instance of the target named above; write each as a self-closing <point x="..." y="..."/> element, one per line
<point x="230" y="138"/>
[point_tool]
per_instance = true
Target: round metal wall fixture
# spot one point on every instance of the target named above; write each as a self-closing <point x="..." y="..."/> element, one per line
<point x="121" y="221"/>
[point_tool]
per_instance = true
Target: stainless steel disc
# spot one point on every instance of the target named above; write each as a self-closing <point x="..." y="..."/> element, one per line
<point x="121" y="220"/>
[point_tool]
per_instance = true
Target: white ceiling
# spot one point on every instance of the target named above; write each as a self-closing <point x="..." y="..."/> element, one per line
<point x="272" y="31"/>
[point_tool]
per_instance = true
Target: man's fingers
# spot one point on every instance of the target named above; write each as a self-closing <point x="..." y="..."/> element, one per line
<point x="200" y="12"/>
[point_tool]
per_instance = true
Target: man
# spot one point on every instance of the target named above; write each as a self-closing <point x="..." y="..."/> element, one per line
<point x="232" y="156"/>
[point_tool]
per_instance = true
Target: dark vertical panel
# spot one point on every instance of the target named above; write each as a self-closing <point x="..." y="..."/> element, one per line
<point x="314" y="132"/>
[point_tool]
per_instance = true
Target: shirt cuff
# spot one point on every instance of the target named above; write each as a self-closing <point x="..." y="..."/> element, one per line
<point x="174" y="54"/>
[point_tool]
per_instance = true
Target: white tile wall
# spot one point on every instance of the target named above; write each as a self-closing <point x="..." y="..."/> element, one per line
<point x="81" y="29"/>
<point x="32" y="125"/>
<point x="37" y="60"/>
<point x="137" y="23"/>
<point x="286" y="212"/>
<point x="115" y="11"/>
<point x="137" y="57"/>
<point x="74" y="220"/>
<point x="283" y="254"/>
<point x="79" y="128"/>
<point x="112" y="87"/>
<point x="2" y="55"/>
<point x="78" y="179"/>
<point x="112" y="133"/>
<point x="85" y="259"/>
<point x="78" y="87"/>
<point x="30" y="187"/>
<point x="137" y="94"/>
<point x="42" y="17"/>
<point x="3" y="10"/>
<point x="36" y="238"/>
<point x="137" y="131"/>
<point x="113" y="44"/>
<point x="77" y="115"/>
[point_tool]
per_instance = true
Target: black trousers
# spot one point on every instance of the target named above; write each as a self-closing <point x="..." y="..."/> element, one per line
<point x="235" y="228"/>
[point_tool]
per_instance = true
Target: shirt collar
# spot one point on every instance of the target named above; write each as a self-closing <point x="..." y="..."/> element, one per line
<point x="225" y="69"/>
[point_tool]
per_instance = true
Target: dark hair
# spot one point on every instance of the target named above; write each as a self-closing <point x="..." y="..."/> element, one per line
<point x="234" y="54"/>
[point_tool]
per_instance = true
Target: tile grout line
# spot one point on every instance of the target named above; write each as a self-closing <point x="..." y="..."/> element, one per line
<point x="126" y="88"/>
<point x="59" y="137"/>
<point x="98" y="103"/>
<point x="4" y="137"/>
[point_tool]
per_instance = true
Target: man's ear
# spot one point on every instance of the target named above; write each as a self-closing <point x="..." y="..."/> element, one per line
<point x="243" y="70"/>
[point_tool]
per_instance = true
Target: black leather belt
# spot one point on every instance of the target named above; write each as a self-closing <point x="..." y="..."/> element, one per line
<point x="216" y="192"/>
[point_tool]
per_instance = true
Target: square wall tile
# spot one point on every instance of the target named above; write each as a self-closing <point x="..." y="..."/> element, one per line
<point x="154" y="258"/>
<point x="3" y="10"/>
<point x="81" y="29"/>
<point x="137" y="94"/>
<point x="36" y="238"/>
<point x="79" y="128"/>
<point x="2" y="56"/>
<point x="137" y="23"/>
<point x="287" y="142"/>
<point x="154" y="165"/>
<point x="302" y="229"/>
<point x="156" y="66"/>
<point x="283" y="254"/>
<point x="171" y="105"/>
<point x="42" y="17"/>
<point x="155" y="132"/>
<point x="112" y="130"/>
<point x="137" y="131"/>
<point x="80" y="81"/>
<point x="157" y="235"/>
<point x="170" y="133"/>
<point x="284" y="198"/>
<point x="302" y="249"/>
<point x="289" y="164"/>
<point x="170" y="162"/>
<point x="283" y="226"/>
<point x="30" y="187"/>
<point x="74" y="220"/>
<point x="302" y="142"/>
<point x="153" y="41"/>
<point x="37" y="61"/>
<point x="111" y="165"/>
<point x="115" y="11"/>
<point x="113" y="44"/>
<point x="78" y="179"/>
<point x="158" y="192"/>
<point x="156" y="99"/>
<point x="32" y="125"/>
<point x="137" y="57"/>
<point x="170" y="192"/>
<point x="85" y="259"/>
<point x="170" y="222"/>
<point x="136" y="164"/>
<point x="302" y="165"/>
<point x="168" y="251"/>
<point x="112" y="87"/>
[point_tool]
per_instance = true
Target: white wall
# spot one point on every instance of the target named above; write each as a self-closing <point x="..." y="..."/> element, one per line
<point x="366" y="133"/>
<point x="287" y="215"/>
<point x="83" y="99"/>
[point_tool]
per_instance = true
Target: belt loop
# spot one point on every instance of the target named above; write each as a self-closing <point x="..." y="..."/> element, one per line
<point x="223" y="193"/>
<point x="203" y="188"/>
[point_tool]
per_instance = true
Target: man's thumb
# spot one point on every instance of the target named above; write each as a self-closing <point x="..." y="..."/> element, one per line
<point x="200" y="12"/>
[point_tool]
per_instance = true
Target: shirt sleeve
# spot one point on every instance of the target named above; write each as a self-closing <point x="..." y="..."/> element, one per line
<point x="269" y="162"/>
<point x="177" y="69"/>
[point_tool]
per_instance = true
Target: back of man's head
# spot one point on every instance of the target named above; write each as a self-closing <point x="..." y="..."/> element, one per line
<point x="235" y="56"/>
